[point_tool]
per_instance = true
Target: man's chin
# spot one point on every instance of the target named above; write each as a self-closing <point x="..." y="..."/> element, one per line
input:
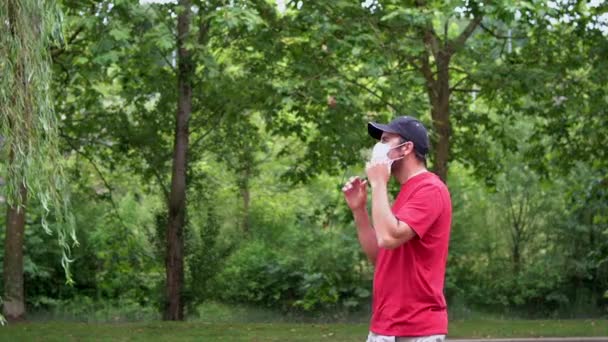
<point x="396" y="167"/>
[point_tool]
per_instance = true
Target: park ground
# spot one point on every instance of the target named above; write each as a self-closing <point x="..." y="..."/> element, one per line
<point x="205" y="331"/>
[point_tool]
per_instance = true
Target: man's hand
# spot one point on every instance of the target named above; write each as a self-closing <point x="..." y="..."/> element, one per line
<point x="355" y="193"/>
<point x="378" y="173"/>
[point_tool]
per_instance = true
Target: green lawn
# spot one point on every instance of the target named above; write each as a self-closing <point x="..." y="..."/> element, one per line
<point x="199" y="331"/>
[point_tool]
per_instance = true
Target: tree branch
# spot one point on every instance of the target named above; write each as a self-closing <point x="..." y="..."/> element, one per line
<point x="101" y="176"/>
<point x="455" y="44"/>
<point x="430" y="39"/>
<point x="455" y="86"/>
<point x="498" y="36"/>
<point x="425" y="68"/>
<point x="514" y="222"/>
<point x="370" y="91"/>
<point x="412" y="61"/>
<point x="169" y="63"/>
<point x="57" y="51"/>
<point x="204" y="135"/>
<point x="465" y="90"/>
<point x="160" y="181"/>
<point x="524" y="216"/>
<point x="458" y="70"/>
<point x="445" y="29"/>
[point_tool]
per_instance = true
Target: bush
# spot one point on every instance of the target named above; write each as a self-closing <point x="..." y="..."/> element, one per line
<point x="256" y="274"/>
<point x="313" y="271"/>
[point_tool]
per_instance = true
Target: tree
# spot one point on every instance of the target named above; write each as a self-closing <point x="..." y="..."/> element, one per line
<point x="29" y="130"/>
<point x="385" y="54"/>
<point x="538" y="76"/>
<point x="525" y="202"/>
<point x="446" y="62"/>
<point x="177" y="197"/>
<point x="117" y="93"/>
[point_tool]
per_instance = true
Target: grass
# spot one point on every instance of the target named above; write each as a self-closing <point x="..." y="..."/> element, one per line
<point x="204" y="331"/>
<point x="213" y="321"/>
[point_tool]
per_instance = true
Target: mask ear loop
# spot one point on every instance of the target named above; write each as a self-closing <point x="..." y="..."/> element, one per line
<point x="405" y="142"/>
<point x="393" y="160"/>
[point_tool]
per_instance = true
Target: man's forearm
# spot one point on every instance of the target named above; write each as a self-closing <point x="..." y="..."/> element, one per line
<point x="366" y="234"/>
<point x="385" y="223"/>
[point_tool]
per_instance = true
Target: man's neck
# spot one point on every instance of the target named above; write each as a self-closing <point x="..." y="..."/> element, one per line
<point x="416" y="172"/>
<point x="411" y="172"/>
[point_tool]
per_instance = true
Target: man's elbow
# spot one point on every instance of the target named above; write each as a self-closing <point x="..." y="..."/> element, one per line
<point x="388" y="243"/>
<point x="391" y="242"/>
<point x="389" y="237"/>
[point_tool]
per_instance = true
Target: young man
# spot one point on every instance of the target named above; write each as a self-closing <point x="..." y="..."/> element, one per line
<point x="408" y="242"/>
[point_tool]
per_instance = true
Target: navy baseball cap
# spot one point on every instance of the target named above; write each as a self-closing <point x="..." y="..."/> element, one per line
<point x="407" y="127"/>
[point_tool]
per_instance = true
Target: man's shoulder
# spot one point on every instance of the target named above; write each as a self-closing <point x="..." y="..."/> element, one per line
<point x="424" y="185"/>
<point x="430" y="186"/>
<point x="430" y="181"/>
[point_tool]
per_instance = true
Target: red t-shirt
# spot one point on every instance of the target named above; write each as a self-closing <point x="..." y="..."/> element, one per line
<point x="408" y="280"/>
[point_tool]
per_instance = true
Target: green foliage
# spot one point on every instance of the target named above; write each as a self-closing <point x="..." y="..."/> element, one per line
<point x="204" y="260"/>
<point x="280" y="106"/>
<point x="313" y="272"/>
<point x="535" y="291"/>
<point x="29" y="138"/>
<point x="337" y="275"/>
<point x="560" y="268"/>
<point x="254" y="274"/>
<point x="299" y="255"/>
<point x="584" y="235"/>
<point x="115" y="260"/>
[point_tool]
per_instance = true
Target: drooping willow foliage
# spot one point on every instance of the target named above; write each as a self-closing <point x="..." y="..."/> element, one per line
<point x="29" y="149"/>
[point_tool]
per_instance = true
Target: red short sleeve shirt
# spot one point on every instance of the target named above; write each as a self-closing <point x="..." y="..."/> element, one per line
<point x="408" y="295"/>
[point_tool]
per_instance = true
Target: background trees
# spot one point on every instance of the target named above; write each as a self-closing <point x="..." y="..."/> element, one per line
<point x="207" y="141"/>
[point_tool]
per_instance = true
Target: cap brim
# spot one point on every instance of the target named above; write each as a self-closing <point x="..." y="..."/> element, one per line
<point x="375" y="130"/>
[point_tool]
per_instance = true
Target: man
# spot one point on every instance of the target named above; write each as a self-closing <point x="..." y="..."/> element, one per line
<point x="408" y="243"/>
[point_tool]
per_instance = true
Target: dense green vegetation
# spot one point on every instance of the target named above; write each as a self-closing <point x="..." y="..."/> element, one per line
<point x="515" y="94"/>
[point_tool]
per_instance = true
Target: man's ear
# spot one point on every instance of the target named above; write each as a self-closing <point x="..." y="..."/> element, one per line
<point x="407" y="147"/>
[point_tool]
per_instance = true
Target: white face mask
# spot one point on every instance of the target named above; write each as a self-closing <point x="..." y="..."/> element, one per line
<point x="380" y="153"/>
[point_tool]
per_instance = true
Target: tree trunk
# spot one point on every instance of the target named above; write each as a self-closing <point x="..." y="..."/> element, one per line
<point x="174" y="306"/>
<point x="244" y="187"/>
<point x="14" y="304"/>
<point x="438" y="87"/>
<point x="516" y="254"/>
<point x="14" y="294"/>
<point x="245" y="194"/>
<point x="440" y="113"/>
